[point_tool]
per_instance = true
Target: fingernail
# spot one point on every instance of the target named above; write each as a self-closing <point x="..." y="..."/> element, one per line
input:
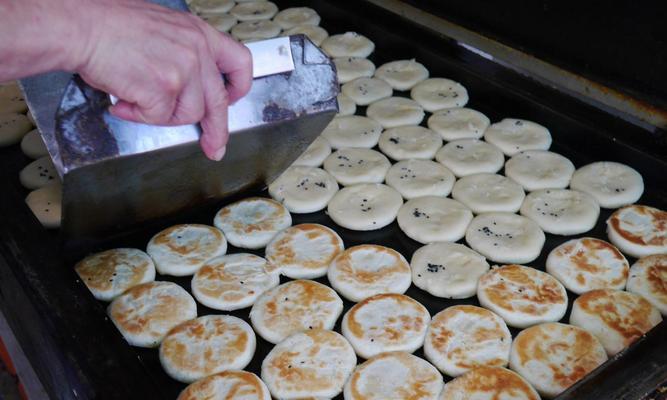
<point x="220" y="153"/>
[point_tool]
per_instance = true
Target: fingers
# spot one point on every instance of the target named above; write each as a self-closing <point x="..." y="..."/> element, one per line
<point x="215" y="132"/>
<point x="233" y="60"/>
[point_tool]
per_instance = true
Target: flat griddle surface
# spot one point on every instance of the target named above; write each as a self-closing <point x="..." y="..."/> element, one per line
<point x="98" y="363"/>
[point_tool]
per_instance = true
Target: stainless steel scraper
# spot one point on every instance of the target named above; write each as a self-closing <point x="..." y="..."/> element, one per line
<point x="118" y="173"/>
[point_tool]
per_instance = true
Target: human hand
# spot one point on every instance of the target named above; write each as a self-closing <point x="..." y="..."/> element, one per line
<point x="164" y="67"/>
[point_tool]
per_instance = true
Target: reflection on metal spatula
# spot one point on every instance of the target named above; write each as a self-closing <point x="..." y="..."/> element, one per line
<point x="118" y="173"/>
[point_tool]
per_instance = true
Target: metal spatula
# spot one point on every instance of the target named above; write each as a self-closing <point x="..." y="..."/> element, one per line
<point x="117" y="173"/>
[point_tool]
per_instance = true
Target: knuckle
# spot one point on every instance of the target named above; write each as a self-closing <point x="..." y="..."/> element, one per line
<point x="170" y="80"/>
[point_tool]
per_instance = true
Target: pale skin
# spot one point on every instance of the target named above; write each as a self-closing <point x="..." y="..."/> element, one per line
<point x="165" y="66"/>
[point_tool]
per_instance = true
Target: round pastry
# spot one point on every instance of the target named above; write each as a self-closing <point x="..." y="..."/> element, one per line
<point x="315" y="363"/>
<point x="207" y="345"/>
<point x="612" y="184"/>
<point x="505" y="237"/>
<point x="349" y="44"/>
<point x="396" y="111"/>
<point x="470" y="156"/>
<point x="351" y="68"/>
<point x="233" y="281"/>
<point x="447" y="270"/>
<point x="366" y="270"/>
<point x="431" y="219"/>
<point x="394" y="376"/>
<point x="33" y="145"/>
<point x="316" y="34"/>
<point x="254" y="30"/>
<point x="386" y="322"/>
<point x="615" y="317"/>
<point x="586" y="264"/>
<point x="182" y="249"/>
<point x="561" y="211"/>
<point x="459" y="123"/>
<point x="352" y="131"/>
<point x="365" y="91"/>
<point x="46" y="204"/>
<point x="409" y="142"/>
<point x="296" y="16"/>
<point x="553" y="356"/>
<point x="254" y="11"/>
<point x="638" y="230"/>
<point x="251" y="223"/>
<point x="489" y="383"/>
<point x="315" y="154"/>
<point x="485" y="193"/>
<point x="145" y="313"/>
<point x="211" y="6"/>
<point x="522" y="296"/>
<point x="354" y="165"/>
<point x="304" y="189"/>
<point x="416" y="178"/>
<point x="295" y="306"/>
<point x="365" y="207"/>
<point x="229" y="385"/>
<point x="464" y="338"/>
<point x="109" y="273"/>
<point x="221" y="22"/>
<point x="513" y="136"/>
<point x="304" y="251"/>
<point x="540" y="169"/>
<point x="12" y="128"/>
<point x="346" y="105"/>
<point x="439" y="93"/>
<point x="402" y="74"/>
<point x="648" y="278"/>
<point x="39" y="173"/>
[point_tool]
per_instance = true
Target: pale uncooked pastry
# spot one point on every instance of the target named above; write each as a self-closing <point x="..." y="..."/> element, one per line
<point x="561" y="211"/>
<point x="417" y="178"/>
<point x="211" y="6"/>
<point x="612" y="184"/>
<point x="304" y="251"/>
<point x="207" y="345"/>
<point x="46" y="204"/>
<point x="554" y="356"/>
<point x="386" y="322"/>
<point x="489" y="383"/>
<point x="354" y="165"/>
<point x="586" y="264"/>
<point x="221" y="22"/>
<point x="233" y="281"/>
<point x="109" y="273"/>
<point x="227" y="385"/>
<point x="648" y="278"/>
<point x="255" y="11"/>
<point x="315" y="363"/>
<point x="513" y="136"/>
<point x="396" y="111"/>
<point x="346" y="105"/>
<point x="145" y="313"/>
<point x="365" y="91"/>
<point x="251" y="223"/>
<point x="315" y="154"/>
<point x="296" y="16"/>
<point x="33" y="145"/>
<point x="615" y="317"/>
<point x="505" y="237"/>
<point x="352" y="131"/>
<point x="366" y="270"/>
<point x="402" y="74"/>
<point x="11" y="99"/>
<point x="485" y="193"/>
<point x="406" y="142"/>
<point x="39" y="173"/>
<point x="448" y="270"/>
<point x="304" y="189"/>
<point x="470" y="156"/>
<point x="182" y="249"/>
<point x="431" y="219"/>
<point x="316" y="34"/>
<point x="349" y="44"/>
<point x="12" y="128"/>
<point x="459" y="123"/>
<point x="365" y="207"/>
<point x="253" y="30"/>
<point x="638" y="230"/>
<point x="439" y="93"/>
<point x="461" y="338"/>
<point x="351" y="68"/>
<point x="295" y="306"/>
<point x="540" y="169"/>
<point x="522" y="296"/>
<point x="394" y="376"/>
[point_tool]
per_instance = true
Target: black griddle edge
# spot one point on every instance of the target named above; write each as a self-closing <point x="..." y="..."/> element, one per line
<point x="76" y="351"/>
